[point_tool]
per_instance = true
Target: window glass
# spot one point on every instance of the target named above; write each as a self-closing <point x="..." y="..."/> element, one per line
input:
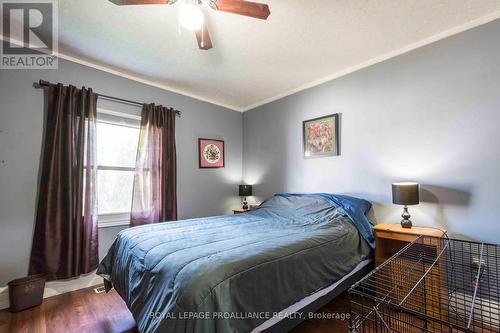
<point x="117" y="140"/>
<point x="115" y="191"/>
<point x="116" y="145"/>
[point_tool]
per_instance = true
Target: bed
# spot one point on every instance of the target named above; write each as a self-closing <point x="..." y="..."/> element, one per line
<point x="235" y="273"/>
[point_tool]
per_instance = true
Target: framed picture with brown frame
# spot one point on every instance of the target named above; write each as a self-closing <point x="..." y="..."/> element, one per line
<point x="321" y="136"/>
<point x="211" y="153"/>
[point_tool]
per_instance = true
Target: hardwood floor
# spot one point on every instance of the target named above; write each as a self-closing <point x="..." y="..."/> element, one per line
<point x="85" y="311"/>
<point x="78" y="311"/>
<point x="339" y="306"/>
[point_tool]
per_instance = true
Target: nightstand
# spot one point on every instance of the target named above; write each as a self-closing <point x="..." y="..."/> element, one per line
<point x="240" y="210"/>
<point x="390" y="238"/>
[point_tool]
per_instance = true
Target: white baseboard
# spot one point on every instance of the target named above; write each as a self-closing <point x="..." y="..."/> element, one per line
<point x="4" y="297"/>
<point x="53" y="288"/>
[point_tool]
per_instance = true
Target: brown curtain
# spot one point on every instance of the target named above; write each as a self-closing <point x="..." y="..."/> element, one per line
<point x="65" y="237"/>
<point x="154" y="197"/>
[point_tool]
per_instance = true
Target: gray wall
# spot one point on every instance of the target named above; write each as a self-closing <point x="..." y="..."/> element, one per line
<point x="431" y="115"/>
<point x="201" y="192"/>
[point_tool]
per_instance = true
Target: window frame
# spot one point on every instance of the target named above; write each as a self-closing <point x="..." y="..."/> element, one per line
<point x="122" y="218"/>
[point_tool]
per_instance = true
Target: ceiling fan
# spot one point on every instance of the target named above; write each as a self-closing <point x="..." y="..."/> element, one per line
<point x="191" y="17"/>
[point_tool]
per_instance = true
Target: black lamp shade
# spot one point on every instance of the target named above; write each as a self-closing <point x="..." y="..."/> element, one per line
<point x="245" y="190"/>
<point x="405" y="194"/>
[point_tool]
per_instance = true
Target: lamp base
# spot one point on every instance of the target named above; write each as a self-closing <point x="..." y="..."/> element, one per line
<point x="245" y="203"/>
<point x="405" y="222"/>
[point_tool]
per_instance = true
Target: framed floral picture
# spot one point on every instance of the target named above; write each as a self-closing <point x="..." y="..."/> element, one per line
<point x="321" y="136"/>
<point x="210" y="153"/>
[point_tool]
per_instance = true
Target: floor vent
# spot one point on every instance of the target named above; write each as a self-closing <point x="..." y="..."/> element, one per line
<point x="100" y="290"/>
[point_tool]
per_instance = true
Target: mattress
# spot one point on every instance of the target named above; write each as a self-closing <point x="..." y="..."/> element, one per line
<point x="227" y="273"/>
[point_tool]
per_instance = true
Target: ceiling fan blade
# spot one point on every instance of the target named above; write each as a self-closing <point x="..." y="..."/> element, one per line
<point x="140" y="2"/>
<point x="203" y="38"/>
<point x="246" y="8"/>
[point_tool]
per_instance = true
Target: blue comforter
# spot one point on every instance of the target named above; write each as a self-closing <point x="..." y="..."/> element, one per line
<point x="230" y="273"/>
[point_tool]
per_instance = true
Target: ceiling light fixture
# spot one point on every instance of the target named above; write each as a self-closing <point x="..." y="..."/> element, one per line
<point x="192" y="13"/>
<point x="191" y="16"/>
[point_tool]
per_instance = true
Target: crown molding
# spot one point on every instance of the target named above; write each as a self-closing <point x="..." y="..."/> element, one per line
<point x="426" y="41"/>
<point x="130" y="76"/>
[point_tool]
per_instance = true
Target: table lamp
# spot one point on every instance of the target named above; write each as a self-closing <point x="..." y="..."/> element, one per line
<point x="405" y="194"/>
<point x="245" y="191"/>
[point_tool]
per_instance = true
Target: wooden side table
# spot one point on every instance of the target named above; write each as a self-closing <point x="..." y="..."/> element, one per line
<point x="240" y="210"/>
<point x="390" y="238"/>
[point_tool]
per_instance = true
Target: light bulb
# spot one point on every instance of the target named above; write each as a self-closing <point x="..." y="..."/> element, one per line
<point x="190" y="16"/>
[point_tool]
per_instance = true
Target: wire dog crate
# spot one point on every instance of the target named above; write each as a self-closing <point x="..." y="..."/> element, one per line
<point x="431" y="285"/>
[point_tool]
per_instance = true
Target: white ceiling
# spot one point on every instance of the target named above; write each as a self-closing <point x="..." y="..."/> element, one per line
<point x="303" y="43"/>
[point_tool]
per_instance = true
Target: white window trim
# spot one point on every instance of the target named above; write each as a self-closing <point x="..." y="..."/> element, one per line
<point x="119" y="114"/>
<point x="115" y="168"/>
<point x="115" y="219"/>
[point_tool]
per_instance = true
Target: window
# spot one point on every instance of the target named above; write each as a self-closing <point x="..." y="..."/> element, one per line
<point x="117" y="140"/>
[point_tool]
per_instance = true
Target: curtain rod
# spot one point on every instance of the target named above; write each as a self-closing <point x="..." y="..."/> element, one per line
<point x="43" y="83"/>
